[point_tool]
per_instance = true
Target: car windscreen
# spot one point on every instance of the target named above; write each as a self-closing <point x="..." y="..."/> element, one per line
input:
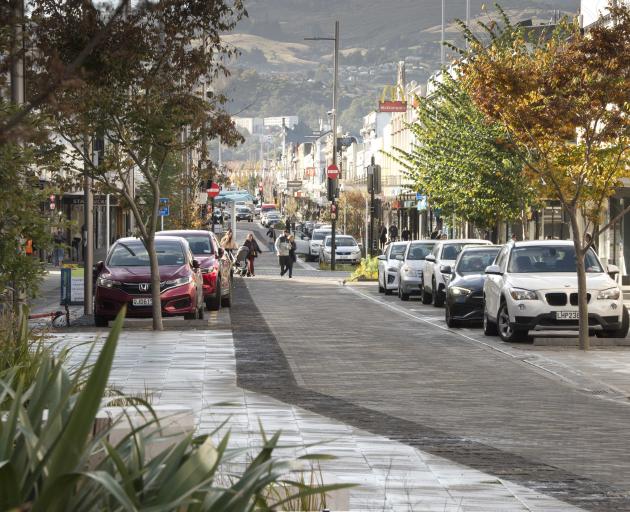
<point x="134" y="254"/>
<point x="397" y="250"/>
<point x="341" y="241"/>
<point x="476" y="261"/>
<point x="320" y="235"/>
<point x="419" y="251"/>
<point x="199" y="244"/>
<point x="547" y="258"/>
<point x="451" y="251"/>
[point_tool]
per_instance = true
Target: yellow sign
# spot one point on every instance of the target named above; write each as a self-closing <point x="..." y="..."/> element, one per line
<point x="397" y="101"/>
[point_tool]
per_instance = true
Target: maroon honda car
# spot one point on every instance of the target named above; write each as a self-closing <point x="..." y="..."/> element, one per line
<point x="215" y="265"/>
<point x="124" y="278"/>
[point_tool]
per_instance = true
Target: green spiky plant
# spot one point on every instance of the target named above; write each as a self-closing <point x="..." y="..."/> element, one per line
<point x="51" y="459"/>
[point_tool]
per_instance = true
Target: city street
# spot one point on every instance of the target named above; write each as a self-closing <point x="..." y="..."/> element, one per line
<point x="394" y="369"/>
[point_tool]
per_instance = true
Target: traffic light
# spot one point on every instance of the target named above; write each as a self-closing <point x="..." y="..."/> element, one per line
<point x="333" y="190"/>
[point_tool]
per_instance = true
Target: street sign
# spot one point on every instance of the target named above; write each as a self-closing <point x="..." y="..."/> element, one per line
<point x="214" y="190"/>
<point x="333" y="171"/>
<point x="165" y="209"/>
<point x="419" y="196"/>
<point x="333" y="208"/>
<point x="294" y="184"/>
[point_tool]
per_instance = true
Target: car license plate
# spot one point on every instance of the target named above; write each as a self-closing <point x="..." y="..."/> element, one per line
<point x="142" y="302"/>
<point x="567" y="315"/>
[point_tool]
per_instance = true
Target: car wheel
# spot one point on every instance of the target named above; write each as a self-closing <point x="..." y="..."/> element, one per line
<point x="100" y="321"/>
<point x="489" y="327"/>
<point x="402" y="295"/>
<point x="380" y="288"/>
<point x="506" y="331"/>
<point x="214" y="303"/>
<point x="438" y="300"/>
<point x="622" y="332"/>
<point x="448" y="317"/>
<point x="426" y="296"/>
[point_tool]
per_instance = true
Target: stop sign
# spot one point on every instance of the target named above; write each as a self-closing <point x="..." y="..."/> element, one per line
<point x="333" y="171"/>
<point x="214" y="190"/>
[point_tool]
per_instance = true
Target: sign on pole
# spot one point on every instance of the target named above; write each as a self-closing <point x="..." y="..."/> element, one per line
<point x="397" y="101"/>
<point x="294" y="184"/>
<point x="333" y="171"/>
<point x="164" y="210"/>
<point x="214" y="190"/>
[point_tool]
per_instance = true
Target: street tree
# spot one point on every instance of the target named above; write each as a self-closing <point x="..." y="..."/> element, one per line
<point x="461" y="161"/>
<point x="141" y="91"/>
<point x="564" y="100"/>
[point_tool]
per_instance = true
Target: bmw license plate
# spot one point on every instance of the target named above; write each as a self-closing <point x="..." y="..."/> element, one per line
<point x="144" y="301"/>
<point x="567" y="315"/>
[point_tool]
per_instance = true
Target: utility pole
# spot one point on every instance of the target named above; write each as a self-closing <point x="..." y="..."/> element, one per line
<point x="372" y="184"/>
<point x="333" y="186"/>
<point x="442" y="47"/>
<point x="88" y="233"/>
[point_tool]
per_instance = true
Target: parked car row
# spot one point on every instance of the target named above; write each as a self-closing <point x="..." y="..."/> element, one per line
<point x="194" y="272"/>
<point x="512" y="289"/>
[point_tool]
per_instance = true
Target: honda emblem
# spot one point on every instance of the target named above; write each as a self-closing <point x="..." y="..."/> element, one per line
<point x="143" y="287"/>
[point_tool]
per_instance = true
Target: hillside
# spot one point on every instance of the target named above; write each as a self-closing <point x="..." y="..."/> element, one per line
<point x="281" y="73"/>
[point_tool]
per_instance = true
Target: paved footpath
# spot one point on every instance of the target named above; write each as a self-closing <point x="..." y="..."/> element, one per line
<point x="422" y="417"/>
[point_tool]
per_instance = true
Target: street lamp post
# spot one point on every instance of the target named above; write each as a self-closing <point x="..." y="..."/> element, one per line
<point x="333" y="185"/>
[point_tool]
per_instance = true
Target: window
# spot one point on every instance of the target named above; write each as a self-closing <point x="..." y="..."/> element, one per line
<point x="419" y="251"/>
<point x="451" y="251"/>
<point x="396" y="250"/>
<point x="341" y="242"/>
<point x="134" y="254"/>
<point x="500" y="261"/>
<point x="545" y="258"/>
<point x="199" y="244"/>
<point x="476" y="261"/>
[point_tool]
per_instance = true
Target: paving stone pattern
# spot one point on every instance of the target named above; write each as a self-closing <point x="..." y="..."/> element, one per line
<point x="359" y="363"/>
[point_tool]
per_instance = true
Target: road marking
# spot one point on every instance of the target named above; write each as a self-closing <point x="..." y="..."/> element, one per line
<point x="523" y="358"/>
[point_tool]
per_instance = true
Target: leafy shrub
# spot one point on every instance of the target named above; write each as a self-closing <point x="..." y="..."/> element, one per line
<point x="367" y="270"/>
<point x="52" y="459"/>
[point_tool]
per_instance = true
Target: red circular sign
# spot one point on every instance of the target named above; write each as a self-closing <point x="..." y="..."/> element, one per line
<point x="214" y="190"/>
<point x="333" y="171"/>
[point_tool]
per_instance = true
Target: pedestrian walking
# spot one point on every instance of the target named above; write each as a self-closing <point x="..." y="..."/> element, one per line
<point x="406" y="234"/>
<point x="271" y="233"/>
<point x="292" y="255"/>
<point x="393" y="233"/>
<point x="383" y="236"/>
<point x="227" y="242"/>
<point x="58" y="251"/>
<point x="254" y="250"/>
<point x="283" y="246"/>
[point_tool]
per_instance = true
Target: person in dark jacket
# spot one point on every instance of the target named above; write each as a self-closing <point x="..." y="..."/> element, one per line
<point x="406" y="235"/>
<point x="393" y="233"/>
<point x="383" y="236"/>
<point x="254" y="250"/>
<point x="292" y="255"/>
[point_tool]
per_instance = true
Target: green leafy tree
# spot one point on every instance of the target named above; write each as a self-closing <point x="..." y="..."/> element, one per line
<point x="463" y="162"/>
<point x="141" y="90"/>
<point x="564" y="101"/>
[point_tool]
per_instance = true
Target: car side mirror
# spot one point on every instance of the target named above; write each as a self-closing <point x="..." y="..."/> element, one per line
<point x="430" y="257"/>
<point x="98" y="268"/>
<point x="381" y="257"/>
<point x="494" y="269"/>
<point x="613" y="270"/>
<point x="446" y="269"/>
<point x="220" y="252"/>
<point x="195" y="264"/>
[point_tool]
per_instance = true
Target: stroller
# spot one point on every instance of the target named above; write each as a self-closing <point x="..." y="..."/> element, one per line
<point x="240" y="262"/>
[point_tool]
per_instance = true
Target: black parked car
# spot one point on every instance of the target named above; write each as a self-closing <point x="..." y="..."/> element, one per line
<point x="464" y="295"/>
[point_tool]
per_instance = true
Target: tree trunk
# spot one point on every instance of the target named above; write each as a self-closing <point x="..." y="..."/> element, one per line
<point x="155" y="284"/>
<point x="581" y="280"/>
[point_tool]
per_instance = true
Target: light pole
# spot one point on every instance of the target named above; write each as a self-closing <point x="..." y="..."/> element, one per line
<point x="333" y="186"/>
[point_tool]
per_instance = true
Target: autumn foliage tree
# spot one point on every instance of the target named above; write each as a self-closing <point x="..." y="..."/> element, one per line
<point x="564" y="100"/>
<point x="140" y="90"/>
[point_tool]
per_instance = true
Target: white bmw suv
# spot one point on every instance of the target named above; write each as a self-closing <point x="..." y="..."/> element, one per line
<point x="532" y="285"/>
